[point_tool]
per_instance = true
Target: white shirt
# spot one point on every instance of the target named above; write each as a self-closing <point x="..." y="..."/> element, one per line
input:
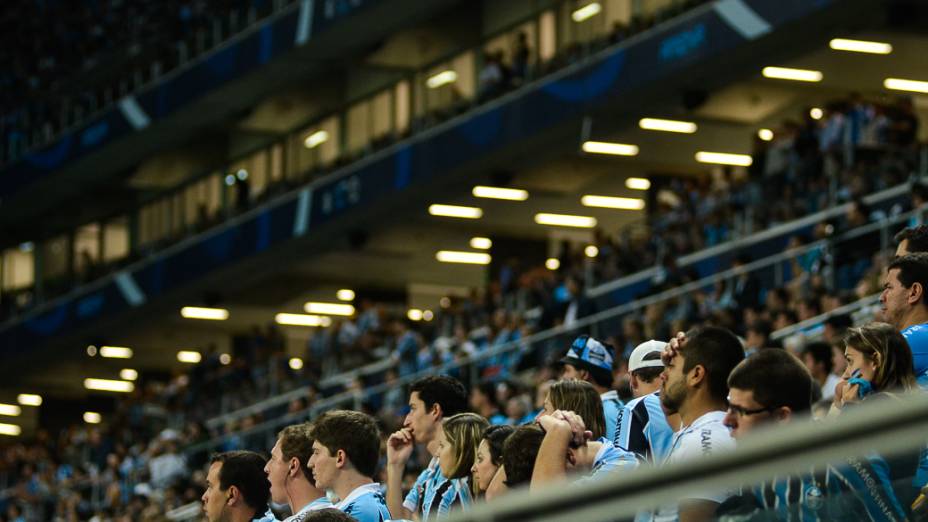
<point x="706" y="436"/>
<point x="828" y="389"/>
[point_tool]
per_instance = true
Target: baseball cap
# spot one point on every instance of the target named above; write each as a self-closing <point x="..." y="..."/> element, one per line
<point x="590" y="354"/>
<point x="637" y="360"/>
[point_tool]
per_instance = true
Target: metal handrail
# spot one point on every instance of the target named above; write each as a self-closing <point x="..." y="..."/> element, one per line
<point x="781" y="451"/>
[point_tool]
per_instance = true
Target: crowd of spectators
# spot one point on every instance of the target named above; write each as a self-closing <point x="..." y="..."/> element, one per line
<point x="93" y="52"/>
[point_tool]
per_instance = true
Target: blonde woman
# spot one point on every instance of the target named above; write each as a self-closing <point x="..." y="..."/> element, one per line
<point x="458" y="441"/>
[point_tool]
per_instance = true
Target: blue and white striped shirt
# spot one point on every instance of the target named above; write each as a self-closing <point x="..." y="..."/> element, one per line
<point x="642" y="429"/>
<point x="432" y="483"/>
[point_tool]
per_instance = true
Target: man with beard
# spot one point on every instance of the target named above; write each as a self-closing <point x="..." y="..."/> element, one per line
<point x="695" y="385"/>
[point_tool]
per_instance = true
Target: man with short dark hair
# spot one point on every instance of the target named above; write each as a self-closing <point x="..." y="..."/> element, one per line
<point x="817" y="358"/>
<point x="642" y="427"/>
<point x="591" y="360"/>
<point x="236" y="487"/>
<point x="346" y="450"/>
<point x="911" y="240"/>
<point x="757" y="336"/>
<point x="431" y="399"/>
<point x="905" y="307"/>
<point x="290" y="477"/>
<point x="696" y="369"/>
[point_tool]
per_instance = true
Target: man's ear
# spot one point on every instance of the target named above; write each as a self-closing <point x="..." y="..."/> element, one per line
<point x="916" y="293"/>
<point x="341" y="458"/>
<point x="294" y="469"/>
<point x="234" y="496"/>
<point x="783" y="413"/>
<point x="696" y="375"/>
<point x="435" y="411"/>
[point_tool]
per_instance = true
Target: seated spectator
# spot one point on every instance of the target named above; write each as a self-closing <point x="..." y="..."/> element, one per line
<point x="906" y="308"/>
<point x="431" y="399"/>
<point x="643" y="428"/>
<point x="817" y="358"/>
<point x="519" y="454"/>
<point x="569" y="443"/>
<point x="289" y="474"/>
<point x="592" y="361"/>
<point x="483" y="401"/>
<point x="457" y="452"/>
<point x="346" y="450"/>
<point x="695" y="385"/>
<point x="489" y="455"/>
<point x="236" y="487"/>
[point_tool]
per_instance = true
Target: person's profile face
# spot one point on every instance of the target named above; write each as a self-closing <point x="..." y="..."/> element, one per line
<point x="214" y="499"/>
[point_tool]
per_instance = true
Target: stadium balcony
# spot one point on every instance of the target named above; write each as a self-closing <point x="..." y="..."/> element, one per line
<point x="168" y="231"/>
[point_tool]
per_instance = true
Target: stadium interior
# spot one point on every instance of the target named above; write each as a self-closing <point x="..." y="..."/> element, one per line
<point x="225" y="217"/>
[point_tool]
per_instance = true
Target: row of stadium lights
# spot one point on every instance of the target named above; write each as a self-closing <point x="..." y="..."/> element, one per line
<point x="318" y="312"/>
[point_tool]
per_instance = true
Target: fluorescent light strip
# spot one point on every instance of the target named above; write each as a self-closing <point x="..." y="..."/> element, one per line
<point x="92" y="417"/>
<point x="860" y="46"/>
<point x="612" y="202"/>
<point x="481" y="243"/>
<point x="482" y="191"/>
<point x="442" y="78"/>
<point x="29" y="399"/>
<point x="315" y="139"/>
<point x="586" y="12"/>
<point x="10" y="429"/>
<point x="786" y="73"/>
<point x="469" y="258"/>
<point x="116" y="352"/>
<point x="637" y="183"/>
<point x="209" y="314"/>
<point x="613" y="149"/>
<point x="345" y="294"/>
<point x="302" y="320"/>
<point x="128" y="374"/>
<point x="724" y="158"/>
<point x="109" y="385"/>
<point x="189" y="357"/>
<point x="329" y="308"/>
<point x="565" y="220"/>
<point x="10" y="410"/>
<point x="455" y="211"/>
<point x="900" y="84"/>
<point x="657" y="124"/>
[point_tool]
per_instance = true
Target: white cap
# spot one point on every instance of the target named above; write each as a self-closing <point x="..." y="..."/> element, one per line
<point x="637" y="361"/>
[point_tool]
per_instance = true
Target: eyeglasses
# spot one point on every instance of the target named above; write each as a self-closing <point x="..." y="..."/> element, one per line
<point x="742" y="412"/>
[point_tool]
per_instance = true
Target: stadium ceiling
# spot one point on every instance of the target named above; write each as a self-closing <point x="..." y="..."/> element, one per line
<point x="396" y="253"/>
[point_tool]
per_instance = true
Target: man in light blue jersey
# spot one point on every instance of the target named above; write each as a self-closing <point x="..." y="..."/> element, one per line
<point x="431" y="399"/>
<point x="591" y="360"/>
<point x="642" y="427"/>
<point x="346" y="450"/>
<point x="288" y="472"/>
<point x="904" y="306"/>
